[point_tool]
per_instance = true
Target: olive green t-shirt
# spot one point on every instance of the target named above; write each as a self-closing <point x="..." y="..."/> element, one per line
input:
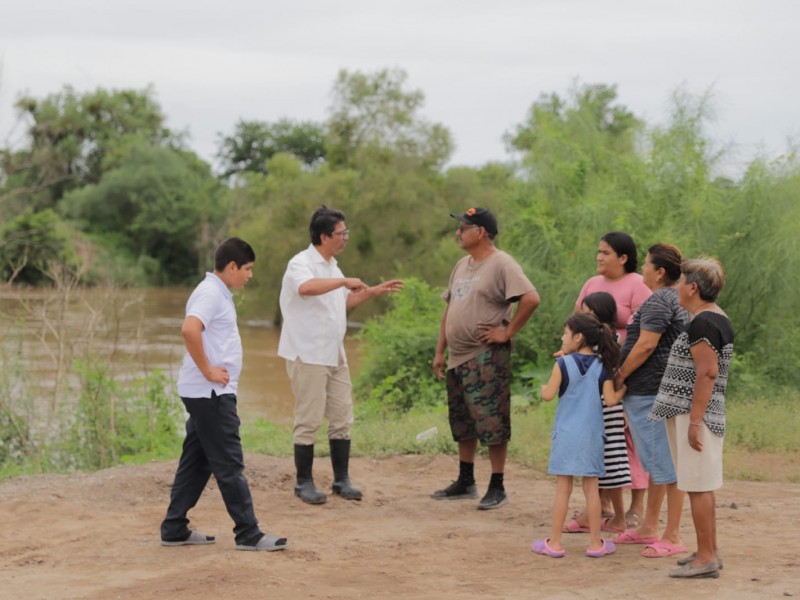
<point x="477" y="295"/>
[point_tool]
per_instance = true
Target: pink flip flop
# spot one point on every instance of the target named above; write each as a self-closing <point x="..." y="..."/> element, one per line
<point x="608" y="548"/>
<point x="663" y="549"/>
<point x="543" y="548"/>
<point x="574" y="527"/>
<point x="631" y="536"/>
<point x="604" y="526"/>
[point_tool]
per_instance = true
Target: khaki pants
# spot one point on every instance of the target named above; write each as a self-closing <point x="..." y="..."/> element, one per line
<point x="320" y="392"/>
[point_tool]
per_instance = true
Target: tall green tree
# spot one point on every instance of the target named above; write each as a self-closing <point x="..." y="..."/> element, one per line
<point x="588" y="166"/>
<point x="375" y="117"/>
<point x="381" y="168"/>
<point x="757" y="243"/>
<point x="68" y="136"/>
<point x="253" y="143"/>
<point x="399" y="220"/>
<point x="160" y="206"/>
<point x="579" y="176"/>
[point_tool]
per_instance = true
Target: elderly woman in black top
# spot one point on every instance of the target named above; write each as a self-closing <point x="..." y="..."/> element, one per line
<point x="692" y="400"/>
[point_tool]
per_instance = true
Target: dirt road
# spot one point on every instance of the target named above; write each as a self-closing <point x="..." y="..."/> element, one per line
<point x="95" y="536"/>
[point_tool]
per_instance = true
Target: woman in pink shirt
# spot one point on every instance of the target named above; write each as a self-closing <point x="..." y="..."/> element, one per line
<point x="616" y="274"/>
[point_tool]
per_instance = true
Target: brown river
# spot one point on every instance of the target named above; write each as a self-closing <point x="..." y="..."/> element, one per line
<point x="138" y="330"/>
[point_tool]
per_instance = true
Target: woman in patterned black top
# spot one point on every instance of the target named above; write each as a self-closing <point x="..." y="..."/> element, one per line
<point x="692" y="400"/>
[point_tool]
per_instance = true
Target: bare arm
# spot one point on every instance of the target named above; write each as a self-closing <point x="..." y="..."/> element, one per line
<point x="612" y="396"/>
<point x="705" y="361"/>
<point x="192" y="330"/>
<point x="500" y="334"/>
<point x="439" y="365"/>
<point x="641" y="351"/>
<point x="550" y="389"/>
<point x="361" y="295"/>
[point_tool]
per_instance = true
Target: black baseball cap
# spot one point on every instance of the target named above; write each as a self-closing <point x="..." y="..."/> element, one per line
<point x="482" y="217"/>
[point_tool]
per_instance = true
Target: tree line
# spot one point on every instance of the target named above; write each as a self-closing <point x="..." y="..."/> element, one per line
<point x="103" y="190"/>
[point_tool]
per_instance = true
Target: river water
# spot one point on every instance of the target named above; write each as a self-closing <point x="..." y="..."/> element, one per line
<point x="138" y="330"/>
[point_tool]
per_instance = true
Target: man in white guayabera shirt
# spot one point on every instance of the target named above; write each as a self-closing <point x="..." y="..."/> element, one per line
<point x="315" y="298"/>
<point x="207" y="385"/>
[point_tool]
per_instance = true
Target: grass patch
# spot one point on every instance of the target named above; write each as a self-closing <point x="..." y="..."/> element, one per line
<point x="388" y="433"/>
<point x="747" y="465"/>
<point x="764" y="424"/>
<point x="263" y="437"/>
<point x="760" y="445"/>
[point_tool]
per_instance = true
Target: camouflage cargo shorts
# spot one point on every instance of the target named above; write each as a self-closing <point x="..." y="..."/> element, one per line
<point x="479" y="397"/>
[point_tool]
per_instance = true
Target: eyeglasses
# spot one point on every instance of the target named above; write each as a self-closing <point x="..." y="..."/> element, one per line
<point x="343" y="233"/>
<point x="462" y="228"/>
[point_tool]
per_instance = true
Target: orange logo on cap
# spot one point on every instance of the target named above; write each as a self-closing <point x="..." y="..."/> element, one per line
<point x="470" y="212"/>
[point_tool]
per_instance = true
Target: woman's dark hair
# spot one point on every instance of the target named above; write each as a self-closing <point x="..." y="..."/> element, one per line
<point x="598" y="337"/>
<point x="604" y="307"/>
<point x="324" y="220"/>
<point x="233" y="249"/>
<point x="623" y="245"/>
<point x="667" y="257"/>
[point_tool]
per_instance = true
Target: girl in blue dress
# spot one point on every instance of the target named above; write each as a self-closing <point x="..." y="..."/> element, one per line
<point x="579" y="377"/>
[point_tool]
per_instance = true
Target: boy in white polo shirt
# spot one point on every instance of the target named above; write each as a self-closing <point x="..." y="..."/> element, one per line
<point x="207" y="384"/>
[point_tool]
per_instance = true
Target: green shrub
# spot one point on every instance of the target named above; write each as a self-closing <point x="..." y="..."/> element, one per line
<point x="14" y="436"/>
<point x="32" y="245"/>
<point x="117" y="423"/>
<point x="153" y="421"/>
<point x="399" y="345"/>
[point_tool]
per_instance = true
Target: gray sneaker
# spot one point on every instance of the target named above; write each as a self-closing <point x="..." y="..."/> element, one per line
<point x="457" y="490"/>
<point x="687" y="559"/>
<point x="699" y="572"/>
<point x="268" y="543"/>
<point x="195" y="539"/>
<point x="494" y="498"/>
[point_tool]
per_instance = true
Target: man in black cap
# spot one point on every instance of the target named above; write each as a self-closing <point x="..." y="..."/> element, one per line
<point x="477" y="329"/>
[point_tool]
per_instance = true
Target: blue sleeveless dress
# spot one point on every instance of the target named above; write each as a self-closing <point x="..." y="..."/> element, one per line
<point x="577" y="443"/>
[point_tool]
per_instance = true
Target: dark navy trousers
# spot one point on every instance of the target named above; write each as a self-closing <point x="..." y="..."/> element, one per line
<point x="212" y="446"/>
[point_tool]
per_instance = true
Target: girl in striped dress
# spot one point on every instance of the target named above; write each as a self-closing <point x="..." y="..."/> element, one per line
<point x="618" y="475"/>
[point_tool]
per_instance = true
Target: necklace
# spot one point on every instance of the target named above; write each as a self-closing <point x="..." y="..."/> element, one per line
<point x="473" y="264"/>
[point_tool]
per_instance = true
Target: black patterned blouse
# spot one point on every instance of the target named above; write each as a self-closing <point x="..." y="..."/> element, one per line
<point x="677" y="385"/>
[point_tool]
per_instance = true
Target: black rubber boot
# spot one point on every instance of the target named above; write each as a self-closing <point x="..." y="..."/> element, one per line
<point x="305" y="488"/>
<point x="340" y="458"/>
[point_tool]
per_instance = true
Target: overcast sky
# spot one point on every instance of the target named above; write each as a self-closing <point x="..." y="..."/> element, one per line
<point x="481" y="64"/>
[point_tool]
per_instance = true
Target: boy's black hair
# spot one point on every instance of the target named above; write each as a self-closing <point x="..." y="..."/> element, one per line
<point x="233" y="249"/>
